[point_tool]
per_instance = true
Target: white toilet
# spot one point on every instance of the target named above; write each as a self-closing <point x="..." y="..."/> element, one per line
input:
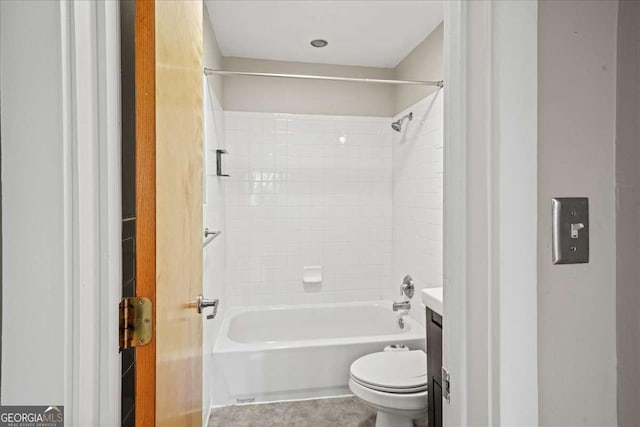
<point x="393" y="382"/>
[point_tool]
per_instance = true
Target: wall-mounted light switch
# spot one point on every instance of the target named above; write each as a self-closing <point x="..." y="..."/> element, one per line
<point x="570" y="240"/>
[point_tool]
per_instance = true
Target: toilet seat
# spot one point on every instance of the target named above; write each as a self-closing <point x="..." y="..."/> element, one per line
<point x="392" y="372"/>
<point x="390" y="389"/>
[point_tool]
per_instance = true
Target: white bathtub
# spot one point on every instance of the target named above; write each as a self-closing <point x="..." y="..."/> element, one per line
<point x="294" y="352"/>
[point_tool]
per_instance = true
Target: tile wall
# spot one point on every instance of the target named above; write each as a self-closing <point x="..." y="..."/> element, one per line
<point x="307" y="190"/>
<point x="214" y="254"/>
<point x="417" y="199"/>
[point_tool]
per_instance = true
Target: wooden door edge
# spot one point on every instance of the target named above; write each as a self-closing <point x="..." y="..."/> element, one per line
<point x="145" y="378"/>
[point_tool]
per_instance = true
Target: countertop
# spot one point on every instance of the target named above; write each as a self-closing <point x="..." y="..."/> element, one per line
<point x="432" y="298"/>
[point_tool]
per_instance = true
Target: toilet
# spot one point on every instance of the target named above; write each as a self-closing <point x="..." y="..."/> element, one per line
<point x="394" y="383"/>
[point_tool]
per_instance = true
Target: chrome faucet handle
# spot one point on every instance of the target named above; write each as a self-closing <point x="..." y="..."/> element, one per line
<point x="407" y="288"/>
<point x="402" y="305"/>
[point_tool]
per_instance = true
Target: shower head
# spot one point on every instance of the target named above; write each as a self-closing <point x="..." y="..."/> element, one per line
<point x="397" y="125"/>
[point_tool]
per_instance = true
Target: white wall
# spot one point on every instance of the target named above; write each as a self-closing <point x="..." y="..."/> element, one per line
<point x="34" y="232"/>
<point x="304" y="191"/>
<point x="271" y="95"/>
<point x="425" y="62"/>
<point x="211" y="55"/>
<point x="576" y="130"/>
<point x="628" y="213"/>
<point x="417" y="199"/>
<point x="254" y="94"/>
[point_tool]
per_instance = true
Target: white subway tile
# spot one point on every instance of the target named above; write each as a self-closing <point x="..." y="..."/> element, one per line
<point x="317" y="190"/>
<point x="417" y="196"/>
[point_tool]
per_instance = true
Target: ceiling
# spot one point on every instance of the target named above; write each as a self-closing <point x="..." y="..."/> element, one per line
<point x="372" y="33"/>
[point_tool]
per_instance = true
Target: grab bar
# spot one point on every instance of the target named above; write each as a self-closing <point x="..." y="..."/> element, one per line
<point x="209" y="236"/>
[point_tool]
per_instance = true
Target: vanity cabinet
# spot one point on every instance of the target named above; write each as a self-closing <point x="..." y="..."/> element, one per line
<point x="434" y="367"/>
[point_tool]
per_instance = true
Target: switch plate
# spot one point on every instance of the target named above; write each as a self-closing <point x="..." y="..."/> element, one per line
<point x="570" y="239"/>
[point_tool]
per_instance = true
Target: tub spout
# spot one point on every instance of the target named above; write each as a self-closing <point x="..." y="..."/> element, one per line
<point x="404" y="305"/>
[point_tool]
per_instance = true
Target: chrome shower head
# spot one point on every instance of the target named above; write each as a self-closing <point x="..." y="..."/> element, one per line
<point x="397" y="125"/>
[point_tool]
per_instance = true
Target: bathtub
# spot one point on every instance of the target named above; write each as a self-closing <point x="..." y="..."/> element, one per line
<point x="264" y="354"/>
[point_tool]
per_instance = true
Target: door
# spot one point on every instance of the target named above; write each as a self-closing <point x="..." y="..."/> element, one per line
<point x="168" y="63"/>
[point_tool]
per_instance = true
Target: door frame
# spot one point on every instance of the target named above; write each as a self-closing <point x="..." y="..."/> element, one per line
<point x="490" y="212"/>
<point x="479" y="307"/>
<point x="91" y="103"/>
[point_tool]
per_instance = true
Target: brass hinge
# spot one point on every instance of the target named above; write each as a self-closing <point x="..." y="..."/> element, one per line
<point x="136" y="327"/>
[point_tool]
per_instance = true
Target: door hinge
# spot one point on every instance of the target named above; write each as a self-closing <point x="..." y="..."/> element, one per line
<point x="446" y="385"/>
<point x="136" y="327"/>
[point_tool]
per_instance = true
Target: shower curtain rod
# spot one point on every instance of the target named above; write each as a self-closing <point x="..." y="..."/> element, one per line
<point x="209" y="72"/>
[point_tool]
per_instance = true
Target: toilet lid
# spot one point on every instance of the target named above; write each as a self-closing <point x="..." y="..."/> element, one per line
<point x="392" y="370"/>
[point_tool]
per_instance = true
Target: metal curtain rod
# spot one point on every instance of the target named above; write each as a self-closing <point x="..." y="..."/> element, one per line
<point x="209" y="72"/>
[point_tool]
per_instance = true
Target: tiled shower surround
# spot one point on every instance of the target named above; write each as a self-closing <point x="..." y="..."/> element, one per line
<point x="307" y="190"/>
<point x="344" y="193"/>
<point x="417" y="198"/>
<point x="214" y="254"/>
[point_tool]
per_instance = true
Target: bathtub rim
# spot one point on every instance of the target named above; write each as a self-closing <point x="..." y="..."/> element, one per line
<point x="224" y="344"/>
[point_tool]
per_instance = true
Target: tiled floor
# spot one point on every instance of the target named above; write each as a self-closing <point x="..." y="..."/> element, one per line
<point x="335" y="412"/>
